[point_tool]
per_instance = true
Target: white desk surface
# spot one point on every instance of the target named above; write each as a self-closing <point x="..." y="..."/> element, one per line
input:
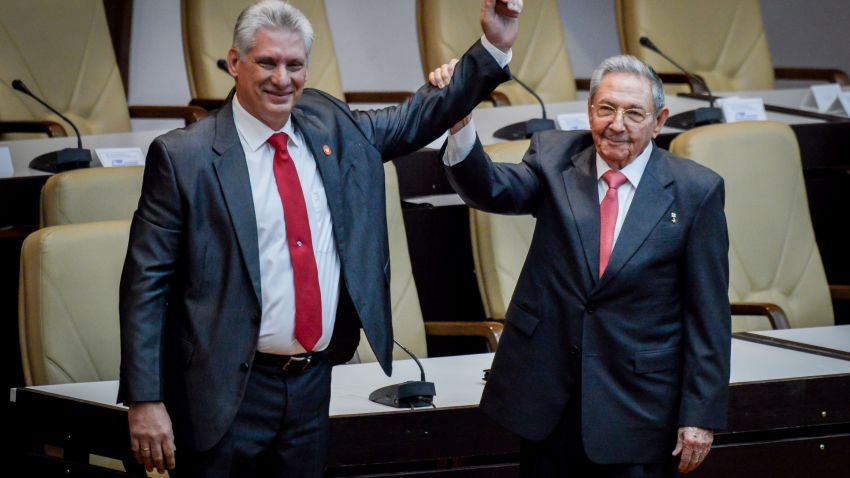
<point x="836" y="338"/>
<point x="459" y="382"/>
<point x="23" y="151"/>
<point x="788" y="97"/>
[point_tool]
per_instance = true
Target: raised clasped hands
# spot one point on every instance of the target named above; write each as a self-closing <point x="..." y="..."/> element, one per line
<point x="500" y="22"/>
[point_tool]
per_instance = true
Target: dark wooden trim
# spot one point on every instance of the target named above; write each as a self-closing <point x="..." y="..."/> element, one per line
<point x="774" y="313"/>
<point x="829" y="75"/>
<point x="189" y="114"/>
<point x="376" y="96"/>
<point x="792" y="345"/>
<point x="51" y="128"/>
<point x="119" y="17"/>
<point x="488" y="330"/>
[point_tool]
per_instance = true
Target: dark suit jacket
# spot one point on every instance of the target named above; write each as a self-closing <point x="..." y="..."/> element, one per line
<point x="649" y="340"/>
<point x="190" y="300"/>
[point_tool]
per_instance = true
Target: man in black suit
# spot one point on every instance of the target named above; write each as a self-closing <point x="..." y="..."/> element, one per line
<point x="615" y="354"/>
<point x="259" y="248"/>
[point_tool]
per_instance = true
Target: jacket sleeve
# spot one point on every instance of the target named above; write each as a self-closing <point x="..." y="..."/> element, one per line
<point x="426" y="115"/>
<point x="502" y="188"/>
<point x="707" y="321"/>
<point x="147" y="278"/>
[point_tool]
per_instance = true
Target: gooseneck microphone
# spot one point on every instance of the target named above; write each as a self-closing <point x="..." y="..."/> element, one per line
<point x="693" y="118"/>
<point x="524" y="129"/>
<point x="64" y="159"/>
<point x="410" y="394"/>
<point x="221" y="63"/>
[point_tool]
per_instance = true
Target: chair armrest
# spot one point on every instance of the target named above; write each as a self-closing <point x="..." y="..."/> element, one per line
<point x="840" y="292"/>
<point x="830" y="75"/>
<point x="189" y="114"/>
<point x="376" y="96"/>
<point x="208" y="104"/>
<point x="694" y="82"/>
<point x="774" y="313"/>
<point x="51" y="128"/>
<point x="488" y="330"/>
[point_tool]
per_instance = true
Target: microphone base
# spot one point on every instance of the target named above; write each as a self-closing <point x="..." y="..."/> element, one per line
<point x="695" y="118"/>
<point x="412" y="394"/>
<point x="62" y="160"/>
<point x="524" y="129"/>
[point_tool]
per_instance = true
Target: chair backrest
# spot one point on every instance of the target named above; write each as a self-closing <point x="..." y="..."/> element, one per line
<point x="773" y="256"/>
<point x="723" y="40"/>
<point x="448" y="27"/>
<point x="63" y="52"/>
<point x="500" y="243"/>
<point x="91" y="195"/>
<point x="68" y="302"/>
<point x="208" y="35"/>
<point x="408" y="324"/>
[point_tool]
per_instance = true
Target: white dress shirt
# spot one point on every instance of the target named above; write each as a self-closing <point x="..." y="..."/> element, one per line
<point x="626" y="192"/>
<point x="277" y="328"/>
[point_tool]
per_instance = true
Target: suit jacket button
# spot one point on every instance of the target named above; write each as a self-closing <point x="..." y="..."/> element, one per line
<point x="244" y="366"/>
<point x="574" y="350"/>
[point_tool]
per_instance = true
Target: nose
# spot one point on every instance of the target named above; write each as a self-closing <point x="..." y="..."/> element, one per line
<point x="281" y="77"/>
<point x="618" y="122"/>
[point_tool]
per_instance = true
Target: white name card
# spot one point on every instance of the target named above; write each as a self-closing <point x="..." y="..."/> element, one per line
<point x="6" y="168"/>
<point x="573" y="121"/>
<point x="742" y="109"/>
<point x="824" y="98"/>
<point x="116" y="157"/>
<point x="844" y="101"/>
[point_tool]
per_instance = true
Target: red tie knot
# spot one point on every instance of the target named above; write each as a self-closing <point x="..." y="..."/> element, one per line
<point x="614" y="178"/>
<point x="278" y="141"/>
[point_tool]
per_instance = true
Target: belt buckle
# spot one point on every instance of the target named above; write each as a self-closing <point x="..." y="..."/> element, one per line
<point x="297" y="364"/>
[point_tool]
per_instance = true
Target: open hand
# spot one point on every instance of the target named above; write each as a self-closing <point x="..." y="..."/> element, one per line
<point x="151" y="436"/>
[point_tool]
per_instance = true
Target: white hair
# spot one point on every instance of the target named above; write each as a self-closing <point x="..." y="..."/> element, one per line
<point x="274" y="14"/>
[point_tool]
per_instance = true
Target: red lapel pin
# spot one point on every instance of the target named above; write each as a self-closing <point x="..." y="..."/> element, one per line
<point x="327" y="150"/>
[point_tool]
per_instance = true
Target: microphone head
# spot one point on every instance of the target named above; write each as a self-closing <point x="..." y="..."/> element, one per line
<point x="646" y="42"/>
<point x="221" y="63"/>
<point x="20" y="86"/>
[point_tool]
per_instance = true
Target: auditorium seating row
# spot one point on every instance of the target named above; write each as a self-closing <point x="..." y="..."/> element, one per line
<point x="62" y="50"/>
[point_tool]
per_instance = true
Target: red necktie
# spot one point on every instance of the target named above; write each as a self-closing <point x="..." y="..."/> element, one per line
<point x="308" y="296"/>
<point x="608" y="216"/>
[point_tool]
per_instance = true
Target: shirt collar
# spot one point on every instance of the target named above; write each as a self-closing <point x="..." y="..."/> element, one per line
<point x="254" y="132"/>
<point x="633" y="171"/>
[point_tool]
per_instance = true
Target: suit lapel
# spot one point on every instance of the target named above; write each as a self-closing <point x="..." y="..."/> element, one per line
<point x="326" y="153"/>
<point x="583" y="197"/>
<point x="232" y="172"/>
<point x="651" y="201"/>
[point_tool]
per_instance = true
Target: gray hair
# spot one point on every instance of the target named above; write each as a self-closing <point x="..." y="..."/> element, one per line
<point x="629" y="64"/>
<point x="274" y="14"/>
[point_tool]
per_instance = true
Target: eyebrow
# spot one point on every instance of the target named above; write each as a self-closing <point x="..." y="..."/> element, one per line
<point x="632" y="106"/>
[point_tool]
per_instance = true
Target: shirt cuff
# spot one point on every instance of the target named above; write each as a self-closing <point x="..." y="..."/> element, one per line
<point x="460" y="144"/>
<point x="501" y="57"/>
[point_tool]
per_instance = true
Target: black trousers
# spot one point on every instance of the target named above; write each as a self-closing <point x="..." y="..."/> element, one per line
<point x="280" y="430"/>
<point x="562" y="454"/>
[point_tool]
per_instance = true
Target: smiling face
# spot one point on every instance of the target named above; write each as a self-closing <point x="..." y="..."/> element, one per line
<point x="270" y="77"/>
<point x="618" y="139"/>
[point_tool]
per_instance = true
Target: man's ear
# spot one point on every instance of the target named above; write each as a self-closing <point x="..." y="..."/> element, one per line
<point x="232" y="60"/>
<point x="660" y="120"/>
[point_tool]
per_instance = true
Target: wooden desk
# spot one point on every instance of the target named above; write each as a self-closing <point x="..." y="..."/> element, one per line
<point x="789" y="416"/>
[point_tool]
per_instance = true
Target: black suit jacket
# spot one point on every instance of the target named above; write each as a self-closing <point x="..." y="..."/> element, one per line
<point x="649" y="340"/>
<point x="190" y="300"/>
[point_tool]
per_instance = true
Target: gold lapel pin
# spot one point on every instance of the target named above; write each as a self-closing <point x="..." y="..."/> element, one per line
<point x="327" y="150"/>
<point x="674" y="218"/>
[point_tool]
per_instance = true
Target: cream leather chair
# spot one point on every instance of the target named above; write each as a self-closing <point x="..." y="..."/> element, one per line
<point x="723" y="41"/>
<point x="208" y="35"/>
<point x="773" y="256"/>
<point x="409" y="327"/>
<point x="91" y="195"/>
<point x="68" y="309"/>
<point x="500" y="242"/>
<point x="63" y="52"/>
<point x="448" y="27"/>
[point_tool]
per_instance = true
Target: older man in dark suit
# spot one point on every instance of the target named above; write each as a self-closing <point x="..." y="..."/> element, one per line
<point x="615" y="354"/>
<point x="259" y="248"/>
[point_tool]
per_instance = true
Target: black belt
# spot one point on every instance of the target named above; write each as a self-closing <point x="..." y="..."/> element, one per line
<point x="289" y="363"/>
